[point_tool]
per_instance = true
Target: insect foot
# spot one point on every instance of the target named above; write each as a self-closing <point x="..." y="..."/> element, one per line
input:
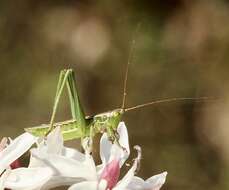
<point x="87" y="144"/>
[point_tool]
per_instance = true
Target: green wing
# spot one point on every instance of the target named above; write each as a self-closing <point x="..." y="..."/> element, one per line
<point x="69" y="130"/>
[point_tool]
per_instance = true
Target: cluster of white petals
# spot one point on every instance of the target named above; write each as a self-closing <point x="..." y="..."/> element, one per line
<point x="20" y="178"/>
<point x="53" y="165"/>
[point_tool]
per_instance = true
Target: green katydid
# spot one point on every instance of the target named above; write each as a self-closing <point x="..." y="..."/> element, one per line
<point x="82" y="126"/>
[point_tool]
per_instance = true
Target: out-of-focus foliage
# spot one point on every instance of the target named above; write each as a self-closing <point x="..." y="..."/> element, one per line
<point x="182" y="50"/>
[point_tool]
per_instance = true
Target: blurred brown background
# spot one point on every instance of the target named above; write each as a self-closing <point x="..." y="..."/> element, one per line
<point x="182" y="50"/>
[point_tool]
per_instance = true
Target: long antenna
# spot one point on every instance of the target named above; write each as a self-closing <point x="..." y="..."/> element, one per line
<point x="165" y="100"/>
<point x="127" y="67"/>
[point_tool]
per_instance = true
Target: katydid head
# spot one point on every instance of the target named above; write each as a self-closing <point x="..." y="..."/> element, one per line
<point x="114" y="119"/>
<point x="116" y="116"/>
<point x="109" y="122"/>
<point x="111" y="118"/>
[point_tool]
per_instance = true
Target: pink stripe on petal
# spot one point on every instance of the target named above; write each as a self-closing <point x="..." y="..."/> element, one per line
<point x="111" y="173"/>
<point x="15" y="164"/>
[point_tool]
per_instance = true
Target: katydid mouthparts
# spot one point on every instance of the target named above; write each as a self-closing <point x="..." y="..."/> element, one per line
<point x="81" y="126"/>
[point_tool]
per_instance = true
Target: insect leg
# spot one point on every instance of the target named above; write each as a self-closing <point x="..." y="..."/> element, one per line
<point x="76" y="108"/>
<point x="113" y="135"/>
<point x="62" y="80"/>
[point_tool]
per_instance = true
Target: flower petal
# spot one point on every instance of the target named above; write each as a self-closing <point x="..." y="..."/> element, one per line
<point x="109" y="151"/>
<point x="89" y="185"/>
<point x="27" y="178"/>
<point x="65" y="152"/>
<point x="123" y="141"/>
<point x="136" y="183"/>
<point x="66" y="167"/>
<point x="111" y="173"/>
<point x="72" y="153"/>
<point x="105" y="147"/>
<point x="15" y="149"/>
<point x="3" y="143"/>
<point x="122" y="184"/>
<point x="3" y="179"/>
<point x="155" y="182"/>
<point x="57" y="181"/>
<point x="55" y="141"/>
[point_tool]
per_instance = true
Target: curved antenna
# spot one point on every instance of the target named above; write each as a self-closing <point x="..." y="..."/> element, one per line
<point x="165" y="100"/>
<point x="127" y="67"/>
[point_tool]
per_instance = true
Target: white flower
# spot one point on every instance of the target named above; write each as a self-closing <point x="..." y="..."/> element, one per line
<point x="20" y="178"/>
<point x="113" y="157"/>
<point x="68" y="165"/>
<point x="108" y="180"/>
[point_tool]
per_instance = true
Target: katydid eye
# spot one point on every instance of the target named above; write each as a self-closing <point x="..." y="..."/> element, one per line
<point x="116" y="114"/>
